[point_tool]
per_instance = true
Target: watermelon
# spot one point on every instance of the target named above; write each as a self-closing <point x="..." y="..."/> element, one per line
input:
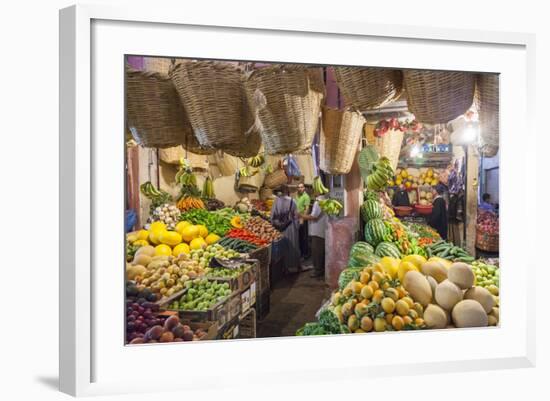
<point x="375" y="231"/>
<point x="387" y="249"/>
<point x="361" y="247"/>
<point x="346" y="276"/>
<point x="370" y="209"/>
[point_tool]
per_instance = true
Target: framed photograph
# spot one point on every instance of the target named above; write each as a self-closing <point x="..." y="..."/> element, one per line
<point x="259" y="192"/>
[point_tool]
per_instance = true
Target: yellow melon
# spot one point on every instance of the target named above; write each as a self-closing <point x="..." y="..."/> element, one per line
<point x="142" y="234"/>
<point x="203" y="231"/>
<point x="212" y="238"/>
<point x="198" y="243"/>
<point x="157" y="226"/>
<point x="189" y="233"/>
<point x="163" y="250"/>
<point x="390" y="265"/>
<point x="171" y="238"/>
<point x="181" y="248"/>
<point x="181" y="226"/>
<point x="154" y="236"/>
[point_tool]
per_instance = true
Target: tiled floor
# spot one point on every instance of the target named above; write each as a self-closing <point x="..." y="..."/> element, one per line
<point x="294" y="301"/>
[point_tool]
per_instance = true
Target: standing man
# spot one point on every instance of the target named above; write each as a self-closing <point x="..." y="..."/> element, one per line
<point x="303" y="201"/>
<point x="438" y="218"/>
<point x="317" y="226"/>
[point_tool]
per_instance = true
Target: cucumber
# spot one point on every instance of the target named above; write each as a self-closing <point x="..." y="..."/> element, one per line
<point x="444" y="253"/>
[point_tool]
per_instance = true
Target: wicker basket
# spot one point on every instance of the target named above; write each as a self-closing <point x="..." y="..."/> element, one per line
<point x="286" y="102"/>
<point x="487" y="102"/>
<point x="304" y="159"/>
<point x="388" y="145"/>
<point x="213" y="96"/>
<point x="154" y="114"/>
<point x="265" y="193"/>
<point x="249" y="183"/>
<point x="275" y="179"/>
<point x="438" y="96"/>
<point x="158" y="64"/>
<point x="486" y="242"/>
<point x="368" y="88"/>
<point x="340" y="139"/>
<point x="226" y="164"/>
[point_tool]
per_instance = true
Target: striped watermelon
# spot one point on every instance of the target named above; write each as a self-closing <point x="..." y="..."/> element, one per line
<point x="346" y="276"/>
<point x="370" y="209"/>
<point x="375" y="231"/>
<point x="361" y="247"/>
<point x="387" y="249"/>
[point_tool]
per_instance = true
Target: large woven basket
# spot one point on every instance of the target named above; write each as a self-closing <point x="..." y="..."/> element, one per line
<point x="158" y="64"/>
<point x="286" y="101"/>
<point x="436" y="97"/>
<point x="487" y="102"/>
<point x="154" y="114"/>
<point x="249" y="184"/>
<point x="304" y="159"/>
<point x="213" y="96"/>
<point x="276" y="178"/>
<point x="226" y="164"/>
<point x="368" y="88"/>
<point x="340" y="137"/>
<point x="388" y="145"/>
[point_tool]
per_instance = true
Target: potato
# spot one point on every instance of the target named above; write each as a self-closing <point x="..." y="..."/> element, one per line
<point x="435" y="270"/>
<point x="482" y="296"/>
<point x="461" y="274"/>
<point x="447" y="294"/>
<point x="469" y="313"/>
<point x="435" y="317"/>
<point x="418" y="287"/>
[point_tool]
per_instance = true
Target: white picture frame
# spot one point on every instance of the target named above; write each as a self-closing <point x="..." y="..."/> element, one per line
<point x="93" y="40"/>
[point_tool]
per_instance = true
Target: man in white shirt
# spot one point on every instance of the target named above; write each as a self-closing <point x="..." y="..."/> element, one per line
<point x="317" y="225"/>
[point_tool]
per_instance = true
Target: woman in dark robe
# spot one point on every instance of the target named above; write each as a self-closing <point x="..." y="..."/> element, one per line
<point x="438" y="218"/>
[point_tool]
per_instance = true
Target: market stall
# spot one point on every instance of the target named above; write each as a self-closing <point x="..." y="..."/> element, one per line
<point x="213" y="146"/>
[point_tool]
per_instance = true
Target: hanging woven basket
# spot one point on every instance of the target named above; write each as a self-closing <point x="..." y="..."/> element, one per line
<point x="154" y="114"/>
<point x="487" y="103"/>
<point x="213" y="96"/>
<point x="286" y="101"/>
<point x="436" y="97"/>
<point x="340" y="139"/>
<point x="368" y="88"/>
<point x="388" y="145"/>
<point x="275" y="179"/>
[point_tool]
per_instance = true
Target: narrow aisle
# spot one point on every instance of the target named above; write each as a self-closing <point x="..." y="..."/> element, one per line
<point x="294" y="301"/>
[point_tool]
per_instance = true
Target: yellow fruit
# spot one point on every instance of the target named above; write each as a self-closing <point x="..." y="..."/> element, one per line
<point x="181" y="248"/>
<point x="374" y="285"/>
<point x="380" y="324"/>
<point x="171" y="238"/>
<point x="402" y="307"/>
<point x="378" y="296"/>
<point x="392" y="293"/>
<point x="398" y="323"/>
<point x="140" y="242"/>
<point x="163" y="250"/>
<point x="154" y="236"/>
<point x="364" y="278"/>
<point x="143" y="234"/>
<point x="366" y="323"/>
<point x="157" y="226"/>
<point x="417" y="260"/>
<point x="404" y="174"/>
<point x="198" y="243"/>
<point x="388" y="305"/>
<point x="378" y="277"/>
<point x="390" y="265"/>
<point x="405" y="267"/>
<point x="132" y="237"/>
<point x="189" y="233"/>
<point x="181" y="226"/>
<point x="212" y="238"/>
<point x="356" y="287"/>
<point x="367" y="292"/>
<point x="409" y="301"/>
<point x="203" y="231"/>
<point x="444" y="262"/>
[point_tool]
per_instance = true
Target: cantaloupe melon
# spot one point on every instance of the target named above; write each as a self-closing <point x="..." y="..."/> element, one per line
<point x="418" y="287"/>
<point x="135" y="270"/>
<point x="447" y="294"/>
<point x="435" y="269"/>
<point x="469" y="313"/>
<point x="461" y="274"/>
<point x="146" y="250"/>
<point x="435" y="317"/>
<point x="481" y="295"/>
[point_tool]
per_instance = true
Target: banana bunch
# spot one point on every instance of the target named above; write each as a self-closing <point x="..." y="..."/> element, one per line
<point x="157" y="196"/>
<point x="319" y="187"/>
<point x="208" y="188"/>
<point x="382" y="172"/>
<point x="246" y="171"/>
<point x="256" y="161"/>
<point x="332" y="207"/>
<point x="185" y="177"/>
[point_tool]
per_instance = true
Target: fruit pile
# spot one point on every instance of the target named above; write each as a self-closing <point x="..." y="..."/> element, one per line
<point x="167" y="331"/>
<point x="141" y="316"/>
<point x="166" y="213"/>
<point x="203" y="256"/>
<point x="415" y="178"/>
<point x="262" y="229"/>
<point x="201" y="295"/>
<point x="219" y="272"/>
<point x="487" y="276"/>
<point x="162" y="275"/>
<point x="487" y="222"/>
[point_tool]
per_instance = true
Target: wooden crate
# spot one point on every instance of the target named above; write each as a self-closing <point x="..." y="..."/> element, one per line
<point x="263" y="255"/>
<point x="243" y="280"/>
<point x="262" y="304"/>
<point x="247" y="324"/>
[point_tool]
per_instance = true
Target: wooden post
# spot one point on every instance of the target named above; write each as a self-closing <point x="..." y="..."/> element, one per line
<point x="472" y="173"/>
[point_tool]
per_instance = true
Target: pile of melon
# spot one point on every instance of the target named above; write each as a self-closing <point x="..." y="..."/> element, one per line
<point x="450" y="297"/>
